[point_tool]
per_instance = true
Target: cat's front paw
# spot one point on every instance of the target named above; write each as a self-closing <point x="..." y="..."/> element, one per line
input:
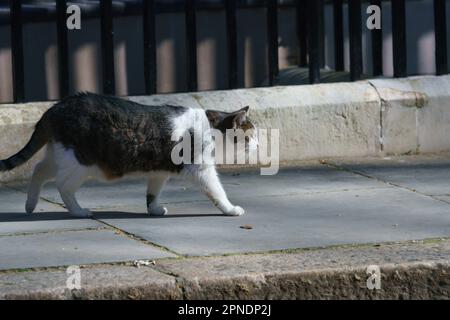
<point x="235" y="211"/>
<point x="157" y="211"/>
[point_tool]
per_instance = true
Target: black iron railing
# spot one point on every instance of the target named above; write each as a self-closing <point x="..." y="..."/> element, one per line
<point x="63" y="48"/>
<point x="377" y="46"/>
<point x="309" y="29"/>
<point x="107" y="33"/>
<point x="17" y="51"/>
<point x="338" y="36"/>
<point x="149" y="32"/>
<point x="440" y="29"/>
<point x="399" y="37"/>
<point x="232" y="54"/>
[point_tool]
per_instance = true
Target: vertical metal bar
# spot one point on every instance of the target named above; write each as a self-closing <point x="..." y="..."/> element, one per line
<point x="149" y="32"/>
<point x="107" y="35"/>
<point x="63" y="51"/>
<point x="314" y="10"/>
<point x="191" y="46"/>
<point x="377" y="45"/>
<point x="302" y="31"/>
<point x="231" y="42"/>
<point x="440" y="33"/>
<point x="321" y="19"/>
<point x="338" y="35"/>
<point x="399" y="37"/>
<point x="354" y="14"/>
<point x="17" y="50"/>
<point x="272" y="37"/>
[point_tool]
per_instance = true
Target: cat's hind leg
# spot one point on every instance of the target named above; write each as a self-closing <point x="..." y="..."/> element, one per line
<point x="209" y="181"/>
<point x="68" y="183"/>
<point x="43" y="172"/>
<point x="155" y="185"/>
<point x="69" y="178"/>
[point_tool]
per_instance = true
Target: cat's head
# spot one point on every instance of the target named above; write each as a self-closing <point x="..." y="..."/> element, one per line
<point x="235" y="120"/>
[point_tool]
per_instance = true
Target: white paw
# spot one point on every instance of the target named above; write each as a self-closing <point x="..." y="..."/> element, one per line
<point x="30" y="205"/>
<point x="235" y="211"/>
<point x="83" y="213"/>
<point x="157" y="211"/>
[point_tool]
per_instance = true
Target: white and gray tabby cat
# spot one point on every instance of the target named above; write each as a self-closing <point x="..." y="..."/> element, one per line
<point x="106" y="138"/>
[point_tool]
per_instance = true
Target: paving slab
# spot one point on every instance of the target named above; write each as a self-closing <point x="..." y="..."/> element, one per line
<point x="426" y="174"/>
<point x="238" y="184"/>
<point x="286" y="222"/>
<point x="301" y="207"/>
<point x="48" y="216"/>
<point x="72" y="248"/>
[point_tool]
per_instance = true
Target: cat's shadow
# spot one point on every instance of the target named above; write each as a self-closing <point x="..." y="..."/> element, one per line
<point x="128" y="215"/>
<point x="104" y="215"/>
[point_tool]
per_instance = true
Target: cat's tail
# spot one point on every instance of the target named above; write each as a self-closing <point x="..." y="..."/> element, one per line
<point x="40" y="137"/>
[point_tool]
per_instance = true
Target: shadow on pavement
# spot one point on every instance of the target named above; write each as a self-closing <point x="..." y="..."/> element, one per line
<point x="52" y="216"/>
<point x="127" y="215"/>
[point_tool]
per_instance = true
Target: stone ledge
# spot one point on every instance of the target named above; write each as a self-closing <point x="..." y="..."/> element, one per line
<point x="415" y="114"/>
<point x="365" y="118"/>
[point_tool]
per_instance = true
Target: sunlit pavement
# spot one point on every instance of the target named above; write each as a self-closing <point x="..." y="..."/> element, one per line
<point x="314" y="204"/>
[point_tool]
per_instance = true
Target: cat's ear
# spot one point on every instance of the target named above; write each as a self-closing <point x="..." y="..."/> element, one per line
<point x="244" y="109"/>
<point x="215" y="117"/>
<point x="239" y="117"/>
<point x="223" y="120"/>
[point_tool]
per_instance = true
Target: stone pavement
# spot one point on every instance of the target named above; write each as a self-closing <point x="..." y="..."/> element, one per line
<point x="307" y="205"/>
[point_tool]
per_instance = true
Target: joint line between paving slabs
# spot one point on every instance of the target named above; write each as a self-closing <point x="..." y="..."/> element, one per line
<point x="332" y="165"/>
<point x="56" y="231"/>
<point x="138" y="238"/>
<point x="127" y="234"/>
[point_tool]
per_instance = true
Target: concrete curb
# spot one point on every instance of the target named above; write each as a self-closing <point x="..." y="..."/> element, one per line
<point x="329" y="273"/>
<point x="365" y="118"/>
